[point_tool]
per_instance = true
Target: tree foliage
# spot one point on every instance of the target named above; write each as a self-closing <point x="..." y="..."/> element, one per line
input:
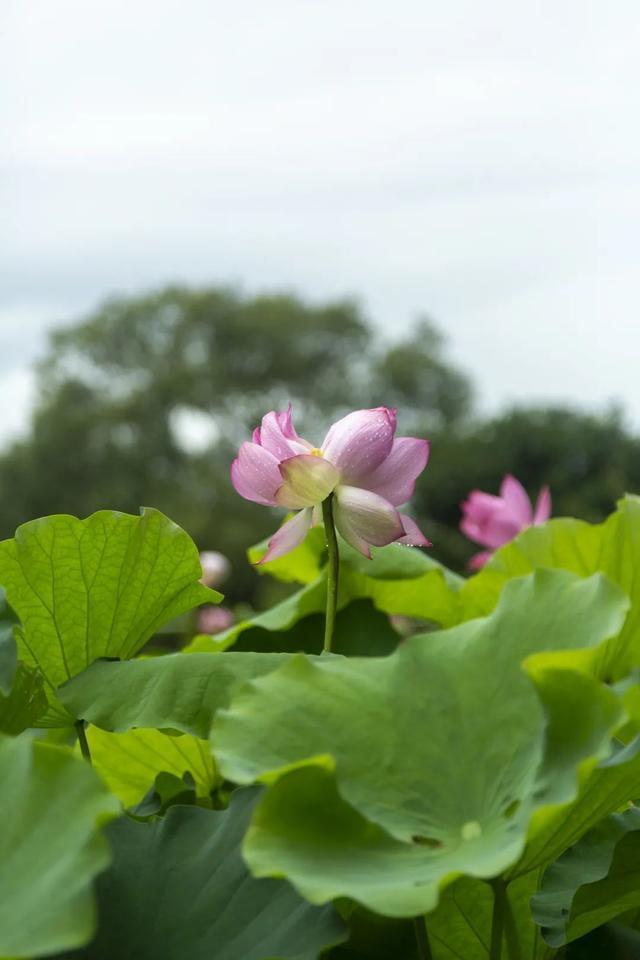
<point x="124" y="391"/>
<point x="117" y="388"/>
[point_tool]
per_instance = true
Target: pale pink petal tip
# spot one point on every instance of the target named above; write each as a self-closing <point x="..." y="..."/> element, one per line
<point x="288" y="537"/>
<point x="365" y="519"/>
<point x="478" y="560"/>
<point x="543" y="506"/>
<point x="278" y="436"/>
<point x="517" y="500"/>
<point x="413" y="535"/>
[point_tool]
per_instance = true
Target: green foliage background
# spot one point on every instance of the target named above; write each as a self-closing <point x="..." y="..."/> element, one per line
<point x="249" y="798"/>
<point x="280" y="803"/>
<point x="114" y="386"/>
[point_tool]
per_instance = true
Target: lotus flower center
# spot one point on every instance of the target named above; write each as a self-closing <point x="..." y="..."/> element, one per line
<point x="316" y="452"/>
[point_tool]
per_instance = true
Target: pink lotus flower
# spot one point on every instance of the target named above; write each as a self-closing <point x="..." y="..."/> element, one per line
<point x="214" y="619"/>
<point x="493" y="521"/>
<point x="215" y="567"/>
<point x="369" y="471"/>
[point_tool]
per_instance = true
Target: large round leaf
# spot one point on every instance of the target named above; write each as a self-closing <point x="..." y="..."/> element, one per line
<point x="98" y="587"/>
<point x="25" y="704"/>
<point x="603" y="788"/>
<point x="360" y="631"/>
<point x="177" y="692"/>
<point x="179" y="888"/>
<point x="398" y="580"/>
<point x="593" y="882"/>
<point x="460" y="927"/>
<point x="372" y="716"/>
<point x="8" y="649"/>
<point x="50" y="848"/>
<point x="305" y="830"/>
<point x="129" y="762"/>
<point x="284" y="615"/>
<point x="444" y="746"/>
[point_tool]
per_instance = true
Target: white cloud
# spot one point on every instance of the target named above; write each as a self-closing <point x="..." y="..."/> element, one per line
<point x="477" y="161"/>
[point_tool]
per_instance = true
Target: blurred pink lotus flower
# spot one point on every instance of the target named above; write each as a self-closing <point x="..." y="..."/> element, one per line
<point x="369" y="470"/>
<point x="214" y="619"/>
<point x="493" y="521"/>
<point x="215" y="567"/>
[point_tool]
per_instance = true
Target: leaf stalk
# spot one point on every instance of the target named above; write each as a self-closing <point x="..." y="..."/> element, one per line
<point x="422" y="938"/>
<point x="333" y="572"/>
<point x="82" y="740"/>
<point x="503" y="924"/>
<point x="498" y="916"/>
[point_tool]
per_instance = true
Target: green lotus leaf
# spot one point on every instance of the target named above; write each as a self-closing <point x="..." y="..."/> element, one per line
<point x="25" y="704"/>
<point x="50" y="847"/>
<point x="8" y="648"/>
<point x="397" y="580"/>
<point x="461" y="924"/>
<point x="360" y="631"/>
<point x="430" y="596"/>
<point x="604" y="788"/>
<point x="306" y="562"/>
<point x="560" y="544"/>
<point x="304" y="821"/>
<point x="178" y="887"/>
<point x="397" y="733"/>
<point x="396" y="561"/>
<point x="309" y="600"/>
<point x="612" y="548"/>
<point x="305" y="831"/>
<point x="357" y="709"/>
<point x="172" y="692"/>
<point x="168" y="791"/>
<point x="98" y="587"/>
<point x="129" y="762"/>
<point x="593" y="882"/>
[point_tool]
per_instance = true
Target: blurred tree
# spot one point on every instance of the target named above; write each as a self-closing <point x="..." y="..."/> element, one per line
<point x="415" y="378"/>
<point x="123" y="393"/>
<point x="119" y="390"/>
<point x="212" y="350"/>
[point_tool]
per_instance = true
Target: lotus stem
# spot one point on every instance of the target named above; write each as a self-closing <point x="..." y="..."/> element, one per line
<point x="422" y="938"/>
<point x="333" y="569"/>
<point x="500" y="907"/>
<point x="82" y="739"/>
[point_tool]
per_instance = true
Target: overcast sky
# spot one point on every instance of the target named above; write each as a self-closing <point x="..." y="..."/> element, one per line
<point x="476" y="161"/>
